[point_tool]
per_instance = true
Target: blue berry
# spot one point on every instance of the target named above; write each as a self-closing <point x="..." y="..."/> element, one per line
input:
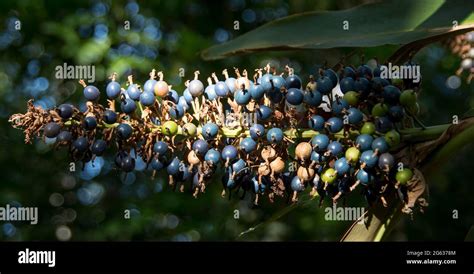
<point x="342" y="166"/>
<point x="396" y="113"/>
<point x="386" y="160"/>
<point x="187" y="95"/>
<point x="64" y="136"/>
<point x="320" y="142"/>
<point x="147" y="98"/>
<point x="369" y="158"/>
<point x="324" y="85"/>
<point x="312" y="98"/>
<point x="274" y="135"/>
<point x="210" y="92"/>
<point x="213" y="156"/>
<point x="149" y="86"/>
<point x="110" y="116"/>
<point x="278" y="82"/>
<point x="364" y="141"/>
<point x="89" y="123"/>
<point x="339" y="105"/>
<point x="51" y="130"/>
<point x="257" y="92"/>
<point x="335" y="124"/>
<point x="242" y="97"/>
<point x="349" y="72"/>
<point x="296" y="184"/>
<point x="364" y="71"/>
<point x="383" y="124"/>
<point x="128" y="106"/>
<point x="380" y="144"/>
<point x="292" y="81"/>
<point x="124" y="131"/>
<point x="266" y="81"/>
<point x="200" y="146"/>
<point x="91" y="93"/>
<point x="257" y="131"/>
<point x="275" y="95"/>
<point x="128" y="163"/>
<point x="230" y="82"/>
<point x="133" y="92"/>
<point x="316" y="122"/>
<point x="160" y="147"/>
<point x="98" y="147"/>
<point x="81" y="144"/>
<point x="263" y="113"/>
<point x="354" y="116"/>
<point x="174" y="166"/>
<point x="335" y="148"/>
<point x="176" y="112"/>
<point x="209" y="131"/>
<point x="362" y="85"/>
<point x="65" y="111"/>
<point x="221" y="89"/>
<point x="229" y="152"/>
<point x="248" y="145"/>
<point x="364" y="177"/>
<point x="294" y="96"/>
<point x="346" y="84"/>
<point x="331" y="75"/>
<point x="113" y="90"/>
<point x="391" y="94"/>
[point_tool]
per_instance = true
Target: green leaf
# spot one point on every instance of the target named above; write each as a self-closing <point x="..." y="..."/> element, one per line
<point x="394" y="22"/>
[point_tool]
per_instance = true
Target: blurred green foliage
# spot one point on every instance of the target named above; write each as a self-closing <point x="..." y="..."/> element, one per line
<point x="169" y="35"/>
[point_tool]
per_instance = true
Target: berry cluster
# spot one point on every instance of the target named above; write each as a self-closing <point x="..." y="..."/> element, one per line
<point x="300" y="137"/>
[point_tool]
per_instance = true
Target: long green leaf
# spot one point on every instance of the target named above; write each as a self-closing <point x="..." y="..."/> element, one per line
<point x="394" y="22"/>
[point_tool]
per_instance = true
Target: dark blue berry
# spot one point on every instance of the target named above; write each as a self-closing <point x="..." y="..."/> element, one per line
<point x="89" y="123"/>
<point x="128" y="106"/>
<point x="292" y="81"/>
<point x="294" y="96"/>
<point x="98" y="147"/>
<point x="65" y="111"/>
<point x="110" y="116"/>
<point x="51" y="130"/>
<point x="200" y="146"/>
<point x="81" y="144"/>
<point x="124" y="131"/>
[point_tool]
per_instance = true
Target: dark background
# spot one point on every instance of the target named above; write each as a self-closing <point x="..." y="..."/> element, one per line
<point x="168" y="35"/>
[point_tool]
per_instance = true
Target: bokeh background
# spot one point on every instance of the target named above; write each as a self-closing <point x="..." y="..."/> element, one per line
<point x="168" y="35"/>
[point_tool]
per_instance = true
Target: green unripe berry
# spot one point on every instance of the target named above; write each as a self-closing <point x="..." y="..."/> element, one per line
<point x="169" y="128"/>
<point x="398" y="83"/>
<point x="352" y="154"/>
<point x="329" y="175"/>
<point x="408" y="98"/>
<point x="404" y="176"/>
<point x="413" y="109"/>
<point x="352" y="98"/>
<point x="393" y="138"/>
<point x="379" y="110"/>
<point x="368" y="128"/>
